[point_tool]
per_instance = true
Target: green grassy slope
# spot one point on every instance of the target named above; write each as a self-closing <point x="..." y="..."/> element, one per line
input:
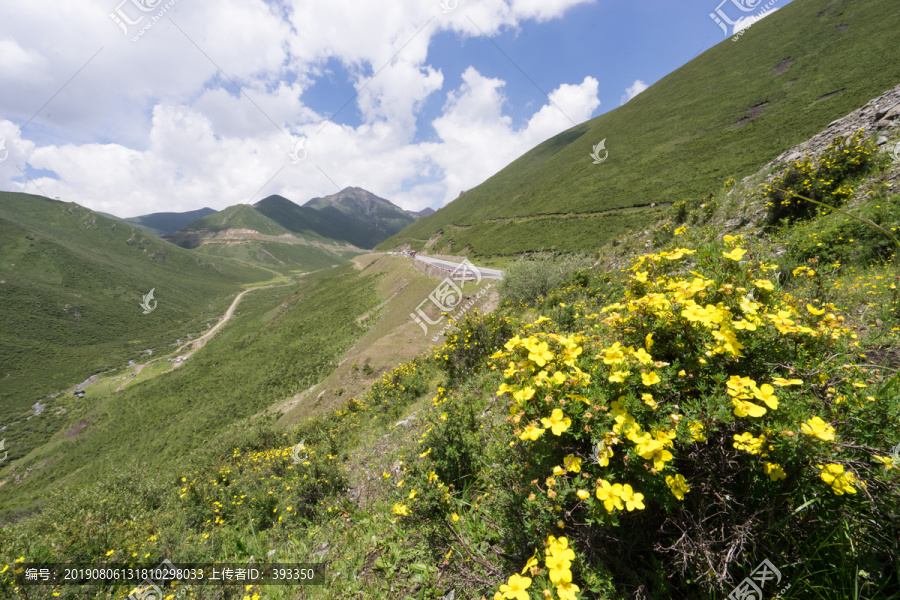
<point x="280" y="341"/>
<point x="281" y="256"/>
<point x="681" y="137"/>
<point x="239" y="216"/>
<point x="166" y="222"/>
<point x="71" y="284"/>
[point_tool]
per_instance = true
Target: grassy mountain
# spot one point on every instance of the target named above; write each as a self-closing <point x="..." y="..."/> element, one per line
<point x="733" y="108"/>
<point x="159" y="224"/>
<point x="370" y="218"/>
<point x="71" y="286"/>
<point x="353" y="216"/>
<point x="237" y="217"/>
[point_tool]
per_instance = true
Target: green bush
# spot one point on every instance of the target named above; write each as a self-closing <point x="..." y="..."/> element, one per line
<point x="711" y="420"/>
<point x="827" y="179"/>
<point x="534" y="276"/>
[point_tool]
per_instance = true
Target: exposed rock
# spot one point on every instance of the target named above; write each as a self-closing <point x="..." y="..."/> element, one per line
<point x="882" y="111"/>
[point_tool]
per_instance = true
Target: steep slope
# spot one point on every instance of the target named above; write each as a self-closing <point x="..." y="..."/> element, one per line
<point x="71" y="287"/>
<point x="736" y="106"/>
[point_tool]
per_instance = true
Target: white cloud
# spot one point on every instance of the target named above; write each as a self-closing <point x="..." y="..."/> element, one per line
<point x="635" y="89"/>
<point x="477" y="140"/>
<point x="160" y="125"/>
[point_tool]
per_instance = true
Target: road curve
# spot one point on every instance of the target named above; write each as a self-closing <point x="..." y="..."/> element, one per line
<point x="450" y="266"/>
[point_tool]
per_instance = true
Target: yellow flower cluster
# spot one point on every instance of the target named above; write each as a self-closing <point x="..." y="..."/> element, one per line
<point x="558" y="558"/>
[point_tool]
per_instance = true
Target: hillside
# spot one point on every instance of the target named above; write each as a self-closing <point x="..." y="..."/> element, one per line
<point x="353" y="217"/>
<point x="700" y="402"/>
<point x="373" y="218"/>
<point x="71" y="287"/>
<point x="731" y="109"/>
<point x="159" y="224"/>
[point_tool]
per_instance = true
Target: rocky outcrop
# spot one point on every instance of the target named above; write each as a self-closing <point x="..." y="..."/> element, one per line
<point x="880" y="115"/>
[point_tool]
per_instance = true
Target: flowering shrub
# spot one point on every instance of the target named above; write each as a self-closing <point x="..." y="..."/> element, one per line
<point x="705" y="406"/>
<point x="824" y="180"/>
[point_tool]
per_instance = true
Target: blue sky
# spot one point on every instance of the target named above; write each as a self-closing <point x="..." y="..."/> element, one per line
<point x="134" y="123"/>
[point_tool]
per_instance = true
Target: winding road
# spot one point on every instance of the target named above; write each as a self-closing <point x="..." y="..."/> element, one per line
<point x="446" y="265"/>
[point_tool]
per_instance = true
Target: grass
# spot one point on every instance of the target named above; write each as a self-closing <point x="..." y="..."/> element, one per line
<point x="688" y="146"/>
<point x="278" y="342"/>
<point x="70" y="299"/>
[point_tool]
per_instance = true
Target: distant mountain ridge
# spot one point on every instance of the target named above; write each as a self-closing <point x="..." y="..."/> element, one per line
<point x="352" y="216"/>
<point x="161" y="223"/>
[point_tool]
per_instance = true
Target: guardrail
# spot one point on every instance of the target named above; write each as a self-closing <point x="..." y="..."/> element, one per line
<point x="465" y="276"/>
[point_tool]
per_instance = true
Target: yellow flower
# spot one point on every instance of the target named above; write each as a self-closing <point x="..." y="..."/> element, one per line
<point x="815" y="311"/>
<point x="737" y="254"/>
<point x="742" y="408"/>
<point x="649" y="401"/>
<point x="697" y="430"/>
<point x="609" y="495"/>
<point x="538" y="352"/>
<point x="572" y="463"/>
<point x="818" y="428"/>
<point x="748" y="443"/>
<point x="559" y="560"/>
<point x="782" y="382"/>
<point x="582" y="494"/>
<point x="887" y="461"/>
<point x="532" y="433"/>
<point x="650" y="378"/>
<point x="643" y="357"/>
<point x="774" y="471"/>
<point x="840" y="482"/>
<point x="765" y="393"/>
<point x="526" y="393"/>
<point x="515" y="588"/>
<point x="455" y="518"/>
<point x="557" y="423"/>
<point x="764" y="284"/>
<point x="614" y="354"/>
<point x="532" y="562"/>
<point x="401" y="510"/>
<point x="678" y="485"/>
<point x="567" y="591"/>
<point x="632" y="499"/>
<point x="619" y="376"/>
